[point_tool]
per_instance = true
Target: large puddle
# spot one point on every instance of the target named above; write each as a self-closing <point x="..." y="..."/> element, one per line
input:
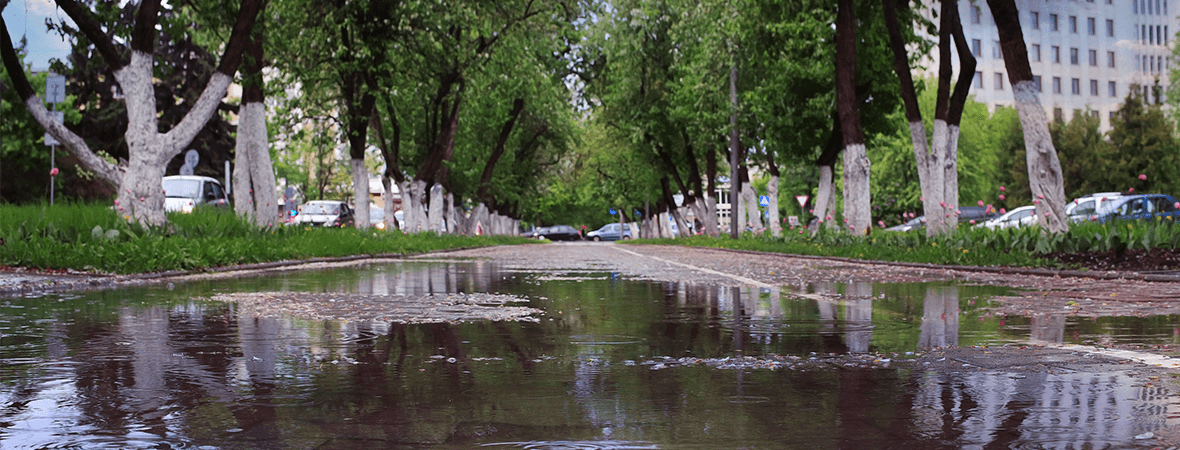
<point x="610" y="364"/>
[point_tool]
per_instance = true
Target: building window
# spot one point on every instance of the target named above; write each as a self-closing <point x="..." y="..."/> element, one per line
<point x="1035" y="20"/>
<point x="1056" y="85"/>
<point x="1073" y="24"/>
<point x="1094" y="88"/>
<point x="979" y="80"/>
<point x="1165" y="35"/>
<point x="1037" y="82"/>
<point x="1109" y="28"/>
<point x="974" y="14"/>
<point x="1091" y="27"/>
<point x="1094" y="114"/>
<point x="1111" y="89"/>
<point x="1075" y="86"/>
<point x="1093" y="58"/>
<point x="1110" y="115"/>
<point x="1110" y="59"/>
<point x="1056" y="54"/>
<point x="1052" y="22"/>
<point x="1159" y="35"/>
<point x="976" y="48"/>
<point x="1143" y="34"/>
<point x="1135" y="6"/>
<point x="999" y="76"/>
<point x="996" y="53"/>
<point x="1036" y="52"/>
<point x="1073" y="56"/>
<point x="1057" y="114"/>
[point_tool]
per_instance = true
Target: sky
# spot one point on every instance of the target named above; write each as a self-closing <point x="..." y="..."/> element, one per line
<point x="27" y="18"/>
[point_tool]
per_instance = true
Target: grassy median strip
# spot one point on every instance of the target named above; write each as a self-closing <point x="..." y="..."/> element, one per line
<point x="1016" y="247"/>
<point x="93" y="238"/>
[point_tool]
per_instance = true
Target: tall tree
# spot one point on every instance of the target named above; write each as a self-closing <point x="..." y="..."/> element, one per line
<point x="254" y="190"/>
<point x="1044" y="169"/>
<point x="937" y="163"/>
<point x="140" y="197"/>
<point x="857" y="197"/>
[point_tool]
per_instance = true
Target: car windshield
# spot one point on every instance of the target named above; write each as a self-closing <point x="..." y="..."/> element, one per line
<point x="182" y="188"/>
<point x="321" y="208"/>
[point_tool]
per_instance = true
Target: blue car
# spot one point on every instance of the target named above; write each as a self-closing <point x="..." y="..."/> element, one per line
<point x="1133" y="207"/>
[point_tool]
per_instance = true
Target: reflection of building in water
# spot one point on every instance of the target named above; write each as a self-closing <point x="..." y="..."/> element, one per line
<point x="1038" y="410"/>
<point x="940" y="317"/>
<point x="1047" y="329"/>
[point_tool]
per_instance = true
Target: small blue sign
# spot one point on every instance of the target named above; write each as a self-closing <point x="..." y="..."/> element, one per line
<point x="612" y="211"/>
<point x="763" y="201"/>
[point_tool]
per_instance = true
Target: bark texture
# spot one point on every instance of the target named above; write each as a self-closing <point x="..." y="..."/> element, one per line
<point x="1044" y="168"/>
<point x="360" y="182"/>
<point x="254" y="183"/>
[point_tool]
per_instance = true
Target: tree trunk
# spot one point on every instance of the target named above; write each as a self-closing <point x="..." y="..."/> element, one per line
<point x="255" y="194"/>
<point x="776" y="228"/>
<point x="825" y="199"/>
<point x="489" y="168"/>
<point x="435" y="214"/>
<point x="857" y="196"/>
<point x="360" y="184"/>
<point x="753" y="214"/>
<point x="735" y="184"/>
<point x="1044" y="169"/>
<point x="387" y="205"/>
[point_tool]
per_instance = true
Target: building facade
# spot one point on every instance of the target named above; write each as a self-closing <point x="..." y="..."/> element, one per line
<point x="1085" y="55"/>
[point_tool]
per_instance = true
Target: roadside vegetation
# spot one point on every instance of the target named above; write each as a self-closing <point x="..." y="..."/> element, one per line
<point x="1016" y="247"/>
<point x="92" y="238"/>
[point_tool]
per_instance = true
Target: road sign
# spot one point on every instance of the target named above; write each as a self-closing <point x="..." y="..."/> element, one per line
<point x="764" y="201"/>
<point x="59" y="116"/>
<point x="613" y="212"/>
<point x="55" y="89"/>
<point x="802" y="199"/>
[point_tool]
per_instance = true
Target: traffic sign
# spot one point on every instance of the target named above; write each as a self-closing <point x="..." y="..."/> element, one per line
<point x="613" y="212"/>
<point x="59" y="116"/>
<point x="802" y="199"/>
<point x="763" y="201"/>
<point x="55" y="89"/>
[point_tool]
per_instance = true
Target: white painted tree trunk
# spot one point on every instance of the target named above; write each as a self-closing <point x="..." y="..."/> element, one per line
<point x="681" y="223"/>
<point x="387" y="204"/>
<point x="709" y="217"/>
<point x="928" y="178"/>
<point x="408" y="199"/>
<point x="481" y="221"/>
<point x="776" y="226"/>
<point x="454" y="220"/>
<point x="857" y="196"/>
<point x="939" y="212"/>
<point x="1044" y="168"/>
<point x="950" y="176"/>
<point x="739" y="220"/>
<point x="435" y="214"/>
<point x="825" y="199"/>
<point x="753" y="214"/>
<point x="360" y="189"/>
<point x="417" y="209"/>
<point x="255" y="195"/>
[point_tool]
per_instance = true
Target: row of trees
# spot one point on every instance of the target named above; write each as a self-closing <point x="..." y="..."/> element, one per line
<point x="465" y="104"/>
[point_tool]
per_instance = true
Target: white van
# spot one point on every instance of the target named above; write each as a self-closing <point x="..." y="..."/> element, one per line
<point x="185" y="192"/>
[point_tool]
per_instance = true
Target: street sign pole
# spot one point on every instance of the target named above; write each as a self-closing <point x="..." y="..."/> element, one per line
<point x="55" y="92"/>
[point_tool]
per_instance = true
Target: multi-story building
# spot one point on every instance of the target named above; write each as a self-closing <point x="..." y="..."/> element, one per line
<point x="1085" y="55"/>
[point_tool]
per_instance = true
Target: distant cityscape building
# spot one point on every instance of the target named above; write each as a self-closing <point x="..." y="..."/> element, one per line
<point x="1085" y="55"/>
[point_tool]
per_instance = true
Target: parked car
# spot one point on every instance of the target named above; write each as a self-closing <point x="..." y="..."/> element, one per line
<point x="917" y="222"/>
<point x="977" y="213"/>
<point x="558" y="233"/>
<point x="185" y="192"/>
<point x="609" y="232"/>
<point x="1086" y="208"/>
<point x="328" y="213"/>
<point x="1132" y="207"/>
<point x="1019" y="217"/>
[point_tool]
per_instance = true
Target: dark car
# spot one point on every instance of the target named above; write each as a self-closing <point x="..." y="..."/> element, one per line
<point x="558" y="233"/>
<point x="1132" y="207"/>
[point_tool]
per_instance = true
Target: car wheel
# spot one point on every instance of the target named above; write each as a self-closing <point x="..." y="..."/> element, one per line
<point x="596" y="238"/>
<point x="626" y="237"/>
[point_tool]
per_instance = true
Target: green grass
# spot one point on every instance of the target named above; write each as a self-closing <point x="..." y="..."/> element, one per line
<point x="1015" y="247"/>
<point x="93" y="238"/>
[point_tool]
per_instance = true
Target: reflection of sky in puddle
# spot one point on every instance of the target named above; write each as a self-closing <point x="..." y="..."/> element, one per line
<point x="141" y="367"/>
